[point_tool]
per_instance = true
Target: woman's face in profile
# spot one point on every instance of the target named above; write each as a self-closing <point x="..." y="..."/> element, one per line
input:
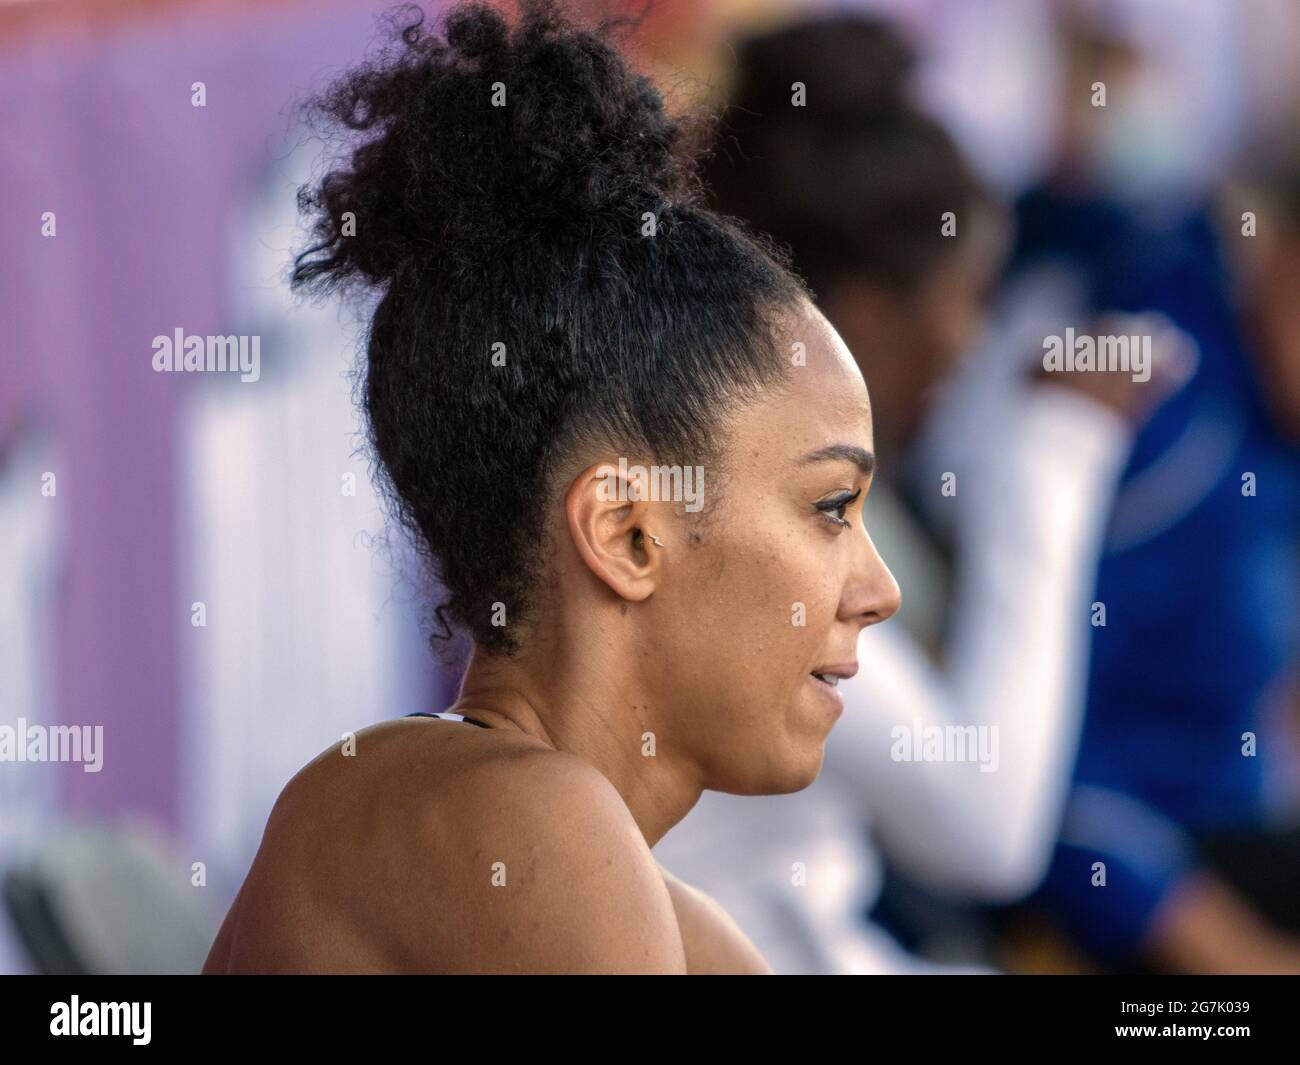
<point x="778" y="577"/>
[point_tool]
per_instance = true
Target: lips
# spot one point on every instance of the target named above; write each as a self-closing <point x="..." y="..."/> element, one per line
<point x="832" y="675"/>
<point x="826" y="679"/>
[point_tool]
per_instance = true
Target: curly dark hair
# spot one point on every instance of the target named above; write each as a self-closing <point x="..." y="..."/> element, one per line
<point x="499" y="178"/>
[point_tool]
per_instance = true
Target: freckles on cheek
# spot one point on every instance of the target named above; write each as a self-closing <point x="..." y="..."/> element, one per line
<point x="781" y="603"/>
<point x="765" y="586"/>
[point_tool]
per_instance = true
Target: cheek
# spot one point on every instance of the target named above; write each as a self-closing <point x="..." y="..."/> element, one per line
<point x="768" y="602"/>
<point x="955" y="316"/>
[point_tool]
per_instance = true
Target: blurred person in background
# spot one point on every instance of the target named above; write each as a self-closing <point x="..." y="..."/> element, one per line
<point x="1178" y="851"/>
<point x="901" y="245"/>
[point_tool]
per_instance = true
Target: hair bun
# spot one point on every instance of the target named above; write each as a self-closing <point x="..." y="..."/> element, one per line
<point x="483" y="137"/>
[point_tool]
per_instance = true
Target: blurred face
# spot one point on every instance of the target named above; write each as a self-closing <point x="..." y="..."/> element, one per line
<point x="908" y="341"/>
<point x="755" y="620"/>
<point x="953" y="302"/>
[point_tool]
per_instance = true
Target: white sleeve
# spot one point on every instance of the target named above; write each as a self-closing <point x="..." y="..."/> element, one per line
<point x="1030" y="513"/>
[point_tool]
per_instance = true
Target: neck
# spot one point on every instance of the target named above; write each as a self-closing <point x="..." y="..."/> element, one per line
<point x="594" y="710"/>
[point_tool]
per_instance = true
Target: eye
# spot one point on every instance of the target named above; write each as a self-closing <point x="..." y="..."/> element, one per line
<point x="833" y="509"/>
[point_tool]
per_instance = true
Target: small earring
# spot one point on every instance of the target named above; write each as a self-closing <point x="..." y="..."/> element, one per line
<point x="658" y="542"/>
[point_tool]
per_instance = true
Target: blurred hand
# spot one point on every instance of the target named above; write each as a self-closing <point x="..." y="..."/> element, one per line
<point x="1205" y="927"/>
<point x="1173" y="362"/>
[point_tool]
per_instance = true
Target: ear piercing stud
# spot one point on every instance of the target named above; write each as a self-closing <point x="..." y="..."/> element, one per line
<point x="658" y="542"/>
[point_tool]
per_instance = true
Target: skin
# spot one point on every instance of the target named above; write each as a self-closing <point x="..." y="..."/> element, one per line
<point x="1268" y="265"/>
<point x="908" y="340"/>
<point x="1206" y="926"/>
<point x="650" y="672"/>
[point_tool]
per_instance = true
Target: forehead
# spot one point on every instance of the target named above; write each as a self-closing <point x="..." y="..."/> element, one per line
<point x="823" y="400"/>
<point x="824" y="394"/>
<point x="829" y="368"/>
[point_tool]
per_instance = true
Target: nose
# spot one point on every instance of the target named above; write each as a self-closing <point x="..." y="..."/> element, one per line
<point x="872" y="594"/>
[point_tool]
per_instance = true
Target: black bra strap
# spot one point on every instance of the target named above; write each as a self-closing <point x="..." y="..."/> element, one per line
<point x="464" y="717"/>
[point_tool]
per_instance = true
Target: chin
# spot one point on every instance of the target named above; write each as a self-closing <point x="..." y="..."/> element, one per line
<point x="797" y="766"/>
<point x="803" y="778"/>
<point x="799" y="772"/>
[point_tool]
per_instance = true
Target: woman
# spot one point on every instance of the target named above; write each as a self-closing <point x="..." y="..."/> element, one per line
<point x="953" y="759"/>
<point x="564" y="337"/>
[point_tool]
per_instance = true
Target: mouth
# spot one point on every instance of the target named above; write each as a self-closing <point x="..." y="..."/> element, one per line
<point x="826" y="680"/>
<point x="832" y="675"/>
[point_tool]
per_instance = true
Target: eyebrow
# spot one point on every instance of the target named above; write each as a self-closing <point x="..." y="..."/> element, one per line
<point x="859" y="456"/>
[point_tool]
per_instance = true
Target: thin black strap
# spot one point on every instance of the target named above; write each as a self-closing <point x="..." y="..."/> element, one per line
<point x="464" y="717"/>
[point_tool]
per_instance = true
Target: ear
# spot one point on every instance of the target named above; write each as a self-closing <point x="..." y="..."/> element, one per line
<point x="611" y="524"/>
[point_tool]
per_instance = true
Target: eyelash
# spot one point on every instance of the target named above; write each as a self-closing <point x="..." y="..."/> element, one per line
<point x="839" y="502"/>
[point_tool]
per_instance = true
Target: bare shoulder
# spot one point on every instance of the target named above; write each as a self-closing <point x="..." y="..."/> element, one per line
<point x="555" y="873"/>
<point x="714" y="942"/>
<point x="441" y="849"/>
